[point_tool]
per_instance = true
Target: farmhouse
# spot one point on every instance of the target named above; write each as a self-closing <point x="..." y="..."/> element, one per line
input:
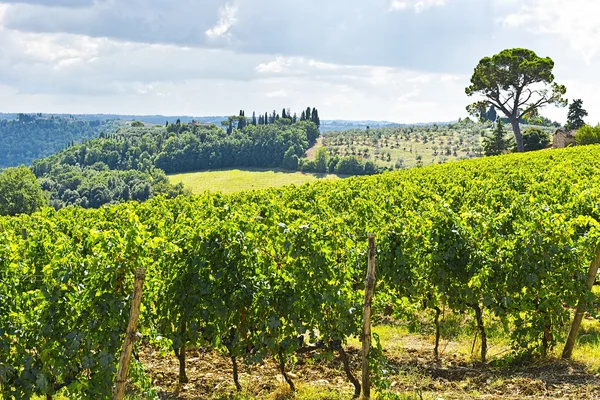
<point x="563" y="138"/>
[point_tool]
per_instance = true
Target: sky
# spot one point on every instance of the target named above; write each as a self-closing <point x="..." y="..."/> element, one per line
<point x="395" y="60"/>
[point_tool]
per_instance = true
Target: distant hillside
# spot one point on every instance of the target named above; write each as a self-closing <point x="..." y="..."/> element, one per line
<point x="150" y="119"/>
<point x="25" y="138"/>
<point x="326" y="125"/>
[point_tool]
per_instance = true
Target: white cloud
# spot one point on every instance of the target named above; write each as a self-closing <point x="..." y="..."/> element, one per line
<point x="228" y="17"/>
<point x="277" y="93"/>
<point x="277" y="66"/>
<point x="417" y="5"/>
<point x="574" y="20"/>
<point x="400" y="60"/>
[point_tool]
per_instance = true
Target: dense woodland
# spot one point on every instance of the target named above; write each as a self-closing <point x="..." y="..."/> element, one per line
<point x="188" y="147"/>
<point x="29" y="137"/>
<point x="131" y="164"/>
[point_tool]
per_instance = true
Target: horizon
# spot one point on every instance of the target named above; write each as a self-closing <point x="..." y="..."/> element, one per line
<point x="106" y="57"/>
<point x="324" y="120"/>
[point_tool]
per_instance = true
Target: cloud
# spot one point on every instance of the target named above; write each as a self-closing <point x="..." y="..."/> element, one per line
<point x="354" y="32"/>
<point x="575" y="20"/>
<point x="75" y="64"/>
<point x="277" y="93"/>
<point x="227" y="19"/>
<point x="53" y="3"/>
<point x="417" y="5"/>
<point x="401" y="60"/>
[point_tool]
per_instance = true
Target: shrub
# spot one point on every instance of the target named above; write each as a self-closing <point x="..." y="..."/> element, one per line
<point x="588" y="135"/>
<point x="535" y="139"/>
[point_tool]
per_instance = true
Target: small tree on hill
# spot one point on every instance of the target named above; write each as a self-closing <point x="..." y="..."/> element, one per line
<point x="20" y="192"/>
<point x="491" y="114"/>
<point x="496" y="144"/>
<point x="321" y="159"/>
<point x="576" y="115"/>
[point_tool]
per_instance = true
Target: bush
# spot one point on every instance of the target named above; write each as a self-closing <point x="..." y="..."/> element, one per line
<point x="535" y="139"/>
<point x="349" y="166"/>
<point x="588" y="135"/>
<point x="308" y="166"/>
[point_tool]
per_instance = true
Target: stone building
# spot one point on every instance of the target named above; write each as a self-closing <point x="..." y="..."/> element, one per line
<point x="563" y="138"/>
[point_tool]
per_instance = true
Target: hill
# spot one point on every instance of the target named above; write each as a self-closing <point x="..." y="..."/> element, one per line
<point x="397" y="147"/>
<point x="29" y="137"/>
<point x="131" y="163"/>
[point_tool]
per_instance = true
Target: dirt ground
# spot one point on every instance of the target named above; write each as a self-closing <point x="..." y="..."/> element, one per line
<point x="414" y="373"/>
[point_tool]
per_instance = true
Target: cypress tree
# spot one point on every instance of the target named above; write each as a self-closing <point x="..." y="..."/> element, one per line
<point x="315" y="117"/>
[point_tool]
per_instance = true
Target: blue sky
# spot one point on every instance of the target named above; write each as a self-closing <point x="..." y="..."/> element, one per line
<point x="397" y="60"/>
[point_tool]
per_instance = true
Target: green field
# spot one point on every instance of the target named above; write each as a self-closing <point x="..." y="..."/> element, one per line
<point x="230" y="181"/>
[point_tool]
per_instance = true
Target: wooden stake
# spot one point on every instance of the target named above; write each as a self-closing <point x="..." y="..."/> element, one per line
<point x="366" y="333"/>
<point x="593" y="271"/>
<point x="131" y="336"/>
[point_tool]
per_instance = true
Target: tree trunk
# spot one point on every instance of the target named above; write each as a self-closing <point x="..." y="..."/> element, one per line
<point x="180" y="353"/>
<point x="338" y="345"/>
<point x="437" y="333"/>
<point x="481" y="327"/>
<point x="282" y="370"/>
<point x="593" y="271"/>
<point x="518" y="137"/>
<point x="236" y="378"/>
<point x="547" y="338"/>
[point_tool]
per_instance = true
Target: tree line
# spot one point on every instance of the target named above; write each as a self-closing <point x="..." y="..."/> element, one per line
<point x="285" y="118"/>
<point x="131" y="164"/>
<point x="30" y="137"/>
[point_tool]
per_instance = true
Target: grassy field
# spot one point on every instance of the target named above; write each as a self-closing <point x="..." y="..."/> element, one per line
<point x="230" y="181"/>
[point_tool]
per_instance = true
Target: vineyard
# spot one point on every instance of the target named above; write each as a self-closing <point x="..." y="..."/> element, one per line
<point x="274" y="273"/>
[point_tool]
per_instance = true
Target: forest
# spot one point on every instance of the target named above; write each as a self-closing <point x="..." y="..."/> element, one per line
<point x="131" y="162"/>
<point x="30" y="137"/>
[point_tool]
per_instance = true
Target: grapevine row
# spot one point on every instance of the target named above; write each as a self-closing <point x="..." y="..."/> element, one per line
<point x="268" y="274"/>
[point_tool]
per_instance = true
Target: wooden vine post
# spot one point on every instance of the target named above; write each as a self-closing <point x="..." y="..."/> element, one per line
<point x="131" y="336"/>
<point x="593" y="271"/>
<point x="366" y="333"/>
